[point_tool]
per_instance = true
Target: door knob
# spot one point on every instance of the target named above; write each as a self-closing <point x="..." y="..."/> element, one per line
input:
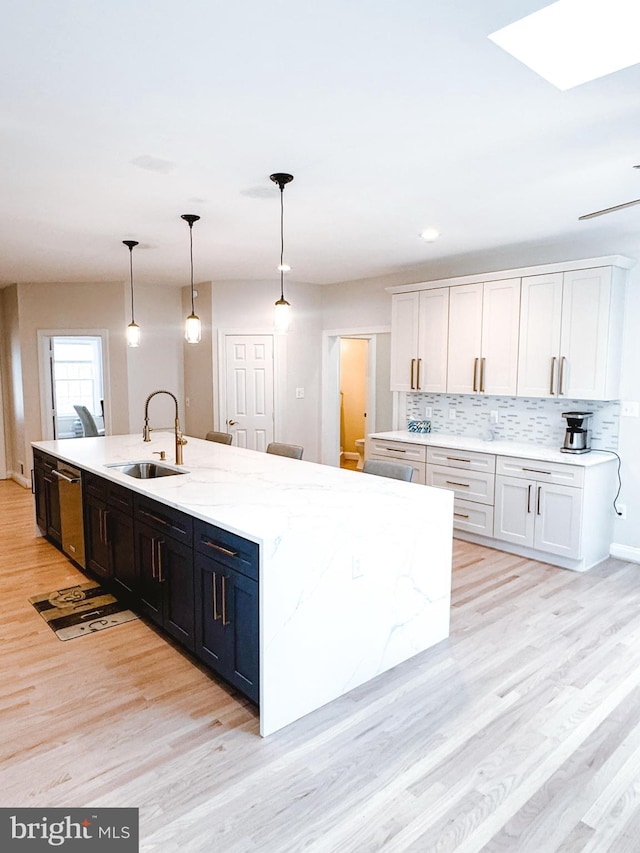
<point x="232" y="423"/>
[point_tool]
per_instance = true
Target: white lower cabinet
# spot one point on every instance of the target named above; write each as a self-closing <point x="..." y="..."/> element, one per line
<point x="545" y="516"/>
<point x="470" y="475"/>
<point x="411" y="454"/>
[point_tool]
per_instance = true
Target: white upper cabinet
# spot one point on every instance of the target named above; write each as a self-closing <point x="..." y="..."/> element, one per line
<point x="483" y="338"/>
<point x="419" y="322"/>
<point x="570" y="334"/>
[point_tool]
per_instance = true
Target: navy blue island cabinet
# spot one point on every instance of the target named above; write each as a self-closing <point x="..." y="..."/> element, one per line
<point x="164" y="558"/>
<point x="226" y="579"/>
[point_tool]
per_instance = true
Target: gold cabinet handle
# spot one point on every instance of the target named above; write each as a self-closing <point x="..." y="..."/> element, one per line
<point x="154" y="570"/>
<point x="458" y="459"/>
<point x="217" y="547"/>
<point x="563" y="361"/>
<point x="214" y="586"/>
<point x="224" y="601"/>
<point x="460" y="515"/>
<point x="537" y="471"/>
<point x="482" y="366"/>
<point x="161" y="579"/>
<point x="529" y="498"/>
<point x="538" y="501"/>
<point x="475" y="374"/>
<point x="453" y="483"/>
<point x="418" y="375"/>
<point x="413" y="364"/>
<point x="553" y="374"/>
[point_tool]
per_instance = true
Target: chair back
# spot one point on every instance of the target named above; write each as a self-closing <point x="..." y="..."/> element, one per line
<point x="293" y="451"/>
<point x="89" y="426"/>
<point x="219" y="437"/>
<point x="395" y="470"/>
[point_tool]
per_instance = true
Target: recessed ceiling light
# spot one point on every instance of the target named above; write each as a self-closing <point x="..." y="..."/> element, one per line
<point x="430" y="235"/>
<point x="573" y="41"/>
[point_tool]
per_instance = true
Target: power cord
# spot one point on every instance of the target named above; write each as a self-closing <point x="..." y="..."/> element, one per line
<point x="598" y="450"/>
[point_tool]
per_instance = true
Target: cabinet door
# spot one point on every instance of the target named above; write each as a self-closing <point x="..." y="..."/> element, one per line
<point x="40" y="492"/>
<point x="433" y="337"/>
<point x="539" y="347"/>
<point x="585" y="330"/>
<point x="147" y="541"/>
<point x="97" y="541"/>
<point x="465" y="339"/>
<point x="404" y="341"/>
<point x="514" y="512"/>
<point x="52" y="503"/>
<point x="500" y="331"/>
<point x="558" y="520"/>
<point x="121" y="553"/>
<point x="212" y="640"/>
<point x="175" y="577"/>
<point x="240" y="619"/>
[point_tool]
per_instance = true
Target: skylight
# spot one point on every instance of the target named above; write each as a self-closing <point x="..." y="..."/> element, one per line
<point x="573" y="41"/>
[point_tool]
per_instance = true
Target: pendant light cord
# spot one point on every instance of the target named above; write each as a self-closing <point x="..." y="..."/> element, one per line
<point x="131" y="280"/>
<point x="193" y="311"/>
<point x="281" y="241"/>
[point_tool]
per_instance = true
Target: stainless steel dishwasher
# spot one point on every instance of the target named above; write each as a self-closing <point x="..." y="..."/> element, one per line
<point x="71" y="520"/>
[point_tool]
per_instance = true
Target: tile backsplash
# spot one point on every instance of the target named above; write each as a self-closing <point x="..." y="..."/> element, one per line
<point x="534" y="420"/>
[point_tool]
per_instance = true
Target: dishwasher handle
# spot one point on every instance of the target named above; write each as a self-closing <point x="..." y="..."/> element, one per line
<point x="64" y="477"/>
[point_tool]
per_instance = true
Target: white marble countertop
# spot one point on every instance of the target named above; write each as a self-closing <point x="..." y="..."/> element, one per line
<point x="499" y="448"/>
<point x="355" y="570"/>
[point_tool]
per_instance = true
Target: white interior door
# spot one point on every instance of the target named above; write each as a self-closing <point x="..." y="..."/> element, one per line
<point x="249" y="389"/>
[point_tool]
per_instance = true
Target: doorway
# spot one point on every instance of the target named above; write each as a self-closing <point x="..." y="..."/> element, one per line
<point x="354" y="360"/>
<point x="72" y="372"/>
<point x="381" y="403"/>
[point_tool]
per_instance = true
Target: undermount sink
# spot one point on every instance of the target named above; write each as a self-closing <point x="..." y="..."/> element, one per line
<point x="145" y="470"/>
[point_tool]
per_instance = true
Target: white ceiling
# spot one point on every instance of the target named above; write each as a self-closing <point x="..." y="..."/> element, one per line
<point x="393" y="115"/>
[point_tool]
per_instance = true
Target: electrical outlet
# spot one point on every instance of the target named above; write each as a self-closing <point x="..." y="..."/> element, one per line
<point x="452" y="414"/>
<point x="428" y="411"/>
<point x="494" y="416"/>
<point x="630" y="409"/>
<point x="356" y="569"/>
<point x="299" y="393"/>
<point x="622" y="509"/>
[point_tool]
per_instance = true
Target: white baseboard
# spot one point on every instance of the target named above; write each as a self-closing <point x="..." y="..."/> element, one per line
<point x="625" y="552"/>
<point x="20" y="479"/>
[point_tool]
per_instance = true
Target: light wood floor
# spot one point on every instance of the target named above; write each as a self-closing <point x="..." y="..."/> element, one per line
<point x="520" y="733"/>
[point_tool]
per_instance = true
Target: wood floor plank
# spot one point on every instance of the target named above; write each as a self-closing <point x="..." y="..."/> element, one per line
<point x="519" y="733"/>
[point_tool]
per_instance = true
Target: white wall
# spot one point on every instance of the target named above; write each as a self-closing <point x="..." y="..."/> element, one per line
<point x="158" y="362"/>
<point x="248" y="306"/>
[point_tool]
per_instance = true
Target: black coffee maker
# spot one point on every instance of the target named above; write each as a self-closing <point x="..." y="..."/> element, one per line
<point x="577" y="438"/>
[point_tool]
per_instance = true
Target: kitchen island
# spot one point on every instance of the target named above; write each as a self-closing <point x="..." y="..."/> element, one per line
<point x="354" y="570"/>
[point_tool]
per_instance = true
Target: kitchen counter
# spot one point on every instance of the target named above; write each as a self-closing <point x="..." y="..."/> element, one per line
<point x="499" y="448"/>
<point x="355" y="570"/>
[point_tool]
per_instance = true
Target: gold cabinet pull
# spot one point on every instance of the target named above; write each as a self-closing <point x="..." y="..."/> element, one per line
<point x="563" y="361"/>
<point x="553" y="374"/>
<point x="214" y="586"/>
<point x="460" y="515"/>
<point x="475" y="374"/>
<point x="217" y="547"/>
<point x="537" y="471"/>
<point x="418" y="375"/>
<point x="413" y="364"/>
<point x="538" y="501"/>
<point x="453" y="483"/>
<point x="458" y="459"/>
<point x="224" y="601"/>
<point x="529" y="498"/>
<point x="482" y="366"/>
<point x="160" y="544"/>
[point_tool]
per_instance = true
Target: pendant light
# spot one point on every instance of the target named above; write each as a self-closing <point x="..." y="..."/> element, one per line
<point x="192" y="327"/>
<point x="133" y="329"/>
<point x="281" y="318"/>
